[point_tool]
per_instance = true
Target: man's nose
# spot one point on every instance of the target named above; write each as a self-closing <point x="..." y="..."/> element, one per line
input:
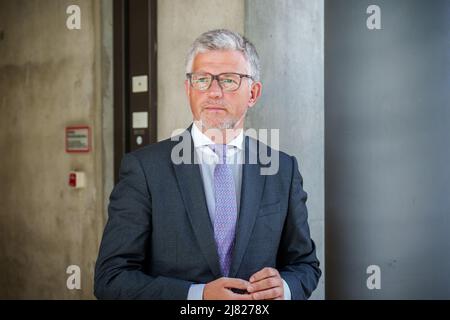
<point x="215" y="90"/>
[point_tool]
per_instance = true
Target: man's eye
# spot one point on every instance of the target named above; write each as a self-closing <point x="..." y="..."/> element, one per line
<point x="202" y="80"/>
<point x="227" y="80"/>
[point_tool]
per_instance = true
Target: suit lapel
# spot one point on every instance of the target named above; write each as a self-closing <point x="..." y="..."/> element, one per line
<point x="192" y="191"/>
<point x="251" y="193"/>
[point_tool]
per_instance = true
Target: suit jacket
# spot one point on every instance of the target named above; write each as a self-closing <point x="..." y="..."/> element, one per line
<point x="159" y="238"/>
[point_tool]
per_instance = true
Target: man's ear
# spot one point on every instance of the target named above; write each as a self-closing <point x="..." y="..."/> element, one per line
<point x="255" y="93"/>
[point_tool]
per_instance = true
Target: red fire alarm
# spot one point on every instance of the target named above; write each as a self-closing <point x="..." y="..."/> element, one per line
<point x="77" y="179"/>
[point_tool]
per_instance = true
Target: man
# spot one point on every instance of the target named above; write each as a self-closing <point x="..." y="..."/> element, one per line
<point x="216" y="228"/>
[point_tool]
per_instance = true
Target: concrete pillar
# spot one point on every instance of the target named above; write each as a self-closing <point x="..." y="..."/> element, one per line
<point x="179" y="23"/>
<point x="289" y="38"/>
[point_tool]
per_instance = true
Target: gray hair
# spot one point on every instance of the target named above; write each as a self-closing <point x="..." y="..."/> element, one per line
<point x="222" y="39"/>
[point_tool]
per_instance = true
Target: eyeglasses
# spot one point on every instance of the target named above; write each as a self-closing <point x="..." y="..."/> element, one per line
<point x="228" y="81"/>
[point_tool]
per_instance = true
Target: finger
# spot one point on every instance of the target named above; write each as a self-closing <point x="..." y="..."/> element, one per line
<point x="264" y="273"/>
<point x="265" y="284"/>
<point x="235" y="283"/>
<point x="268" y="294"/>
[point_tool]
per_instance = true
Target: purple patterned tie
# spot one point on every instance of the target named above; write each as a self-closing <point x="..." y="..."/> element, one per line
<point x="226" y="209"/>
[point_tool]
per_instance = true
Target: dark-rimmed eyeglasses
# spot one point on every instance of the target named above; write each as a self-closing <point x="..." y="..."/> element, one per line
<point x="228" y="81"/>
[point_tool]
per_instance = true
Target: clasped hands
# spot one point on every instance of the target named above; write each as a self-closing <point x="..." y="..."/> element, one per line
<point x="265" y="284"/>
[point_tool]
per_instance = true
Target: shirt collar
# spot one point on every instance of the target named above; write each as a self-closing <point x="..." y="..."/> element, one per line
<point x="200" y="139"/>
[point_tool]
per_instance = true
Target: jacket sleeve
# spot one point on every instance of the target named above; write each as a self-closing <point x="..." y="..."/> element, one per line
<point x="126" y="243"/>
<point x="297" y="261"/>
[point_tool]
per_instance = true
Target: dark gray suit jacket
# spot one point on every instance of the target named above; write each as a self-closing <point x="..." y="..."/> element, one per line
<point x="159" y="238"/>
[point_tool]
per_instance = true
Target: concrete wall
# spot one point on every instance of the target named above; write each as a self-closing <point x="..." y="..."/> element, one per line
<point x="288" y="35"/>
<point x="49" y="79"/>
<point x="179" y="23"/>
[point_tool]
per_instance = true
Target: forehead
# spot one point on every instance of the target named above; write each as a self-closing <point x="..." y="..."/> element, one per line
<point x="220" y="61"/>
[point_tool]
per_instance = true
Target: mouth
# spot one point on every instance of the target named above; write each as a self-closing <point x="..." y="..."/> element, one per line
<point x="215" y="108"/>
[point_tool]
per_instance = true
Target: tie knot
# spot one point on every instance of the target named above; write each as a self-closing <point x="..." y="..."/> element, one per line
<point x="220" y="150"/>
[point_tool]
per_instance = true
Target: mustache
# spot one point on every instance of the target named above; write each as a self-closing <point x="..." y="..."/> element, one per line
<point x="215" y="103"/>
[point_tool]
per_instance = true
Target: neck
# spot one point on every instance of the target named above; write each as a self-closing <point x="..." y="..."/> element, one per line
<point x="220" y="136"/>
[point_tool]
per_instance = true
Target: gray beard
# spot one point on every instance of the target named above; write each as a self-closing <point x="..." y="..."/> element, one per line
<point x="226" y="125"/>
<point x="230" y="124"/>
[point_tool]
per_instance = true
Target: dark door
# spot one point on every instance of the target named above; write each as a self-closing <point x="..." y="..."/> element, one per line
<point x="134" y="76"/>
